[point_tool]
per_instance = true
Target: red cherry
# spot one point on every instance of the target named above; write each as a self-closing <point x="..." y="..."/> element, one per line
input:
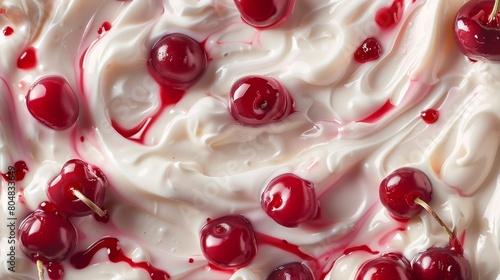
<point x="52" y="101"/>
<point x="399" y="190"/>
<point x="295" y="271"/>
<point x="369" y="50"/>
<point x="289" y="200"/>
<point x="77" y="175"/>
<point x="440" y="264"/>
<point x="264" y="13"/>
<point x="47" y="236"/>
<point x="391" y="266"/>
<point x="476" y="36"/>
<point x="228" y="242"/>
<point x="177" y="60"/>
<point x="257" y="100"/>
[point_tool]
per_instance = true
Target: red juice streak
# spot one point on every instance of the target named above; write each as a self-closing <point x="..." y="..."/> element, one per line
<point x="388" y="17"/>
<point x="81" y="260"/>
<point x="364" y="248"/>
<point x="27" y="59"/>
<point x="55" y="270"/>
<point x="168" y="96"/>
<point x="377" y="115"/>
<point x="283" y="245"/>
<point x="7" y="31"/>
<point x="430" y="116"/>
<point x="17" y="172"/>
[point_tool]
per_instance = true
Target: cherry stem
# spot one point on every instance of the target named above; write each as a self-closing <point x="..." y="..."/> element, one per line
<point x="494" y="11"/>
<point x="429" y="209"/>
<point x="41" y="271"/>
<point x="89" y="203"/>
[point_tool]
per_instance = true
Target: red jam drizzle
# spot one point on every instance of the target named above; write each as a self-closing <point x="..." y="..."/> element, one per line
<point x="363" y="248"/>
<point x="430" y="116"/>
<point x="283" y="245"/>
<point x="7" y="31"/>
<point x="17" y="173"/>
<point x="27" y="59"/>
<point x="388" y="17"/>
<point x="377" y="115"/>
<point x="191" y="260"/>
<point x="81" y="260"/>
<point x="168" y="96"/>
<point x="105" y="27"/>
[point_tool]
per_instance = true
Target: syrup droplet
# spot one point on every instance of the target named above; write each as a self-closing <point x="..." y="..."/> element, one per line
<point x="27" y="59"/>
<point x="82" y="259"/>
<point x="430" y="116"/>
<point x="16" y="172"/>
<point x="191" y="260"/>
<point x="105" y="27"/>
<point x="7" y="31"/>
<point x="104" y="219"/>
<point x="55" y="270"/>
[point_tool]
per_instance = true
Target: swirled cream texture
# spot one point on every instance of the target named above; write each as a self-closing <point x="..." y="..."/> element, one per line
<point x="194" y="162"/>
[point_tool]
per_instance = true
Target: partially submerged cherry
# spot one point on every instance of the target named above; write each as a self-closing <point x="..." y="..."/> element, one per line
<point x="390" y="266"/>
<point x="264" y="13"/>
<point x="294" y="270"/>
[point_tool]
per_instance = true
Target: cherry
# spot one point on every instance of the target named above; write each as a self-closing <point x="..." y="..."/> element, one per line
<point x="177" y="60"/>
<point x="476" y="34"/>
<point x="289" y="200"/>
<point x="258" y="100"/>
<point x="52" y="101"/>
<point x="441" y="264"/>
<point x="47" y="236"/>
<point x="264" y="13"/>
<point x="369" y="50"/>
<point x="228" y="242"/>
<point x="295" y="271"/>
<point x="79" y="189"/>
<point x="399" y="190"/>
<point x="389" y="266"/>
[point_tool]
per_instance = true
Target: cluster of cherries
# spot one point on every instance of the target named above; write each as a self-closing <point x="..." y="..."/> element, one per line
<point x="404" y="193"/>
<point x="47" y="235"/>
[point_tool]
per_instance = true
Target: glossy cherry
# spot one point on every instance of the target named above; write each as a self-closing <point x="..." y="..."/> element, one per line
<point x="52" y="101"/>
<point x="391" y="266"/>
<point x="399" y="190"/>
<point x="264" y="13"/>
<point x="47" y="235"/>
<point x="258" y="100"/>
<point x="295" y="271"/>
<point x="289" y="200"/>
<point x="85" y="178"/>
<point x="177" y="60"/>
<point x="228" y="242"/>
<point x="369" y="50"/>
<point x="441" y="264"/>
<point x="475" y="35"/>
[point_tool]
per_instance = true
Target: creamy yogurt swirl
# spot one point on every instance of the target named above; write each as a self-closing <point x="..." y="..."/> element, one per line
<point x="195" y="162"/>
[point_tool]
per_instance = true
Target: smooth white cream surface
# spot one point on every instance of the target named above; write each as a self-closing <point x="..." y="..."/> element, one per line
<point x="196" y="162"/>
